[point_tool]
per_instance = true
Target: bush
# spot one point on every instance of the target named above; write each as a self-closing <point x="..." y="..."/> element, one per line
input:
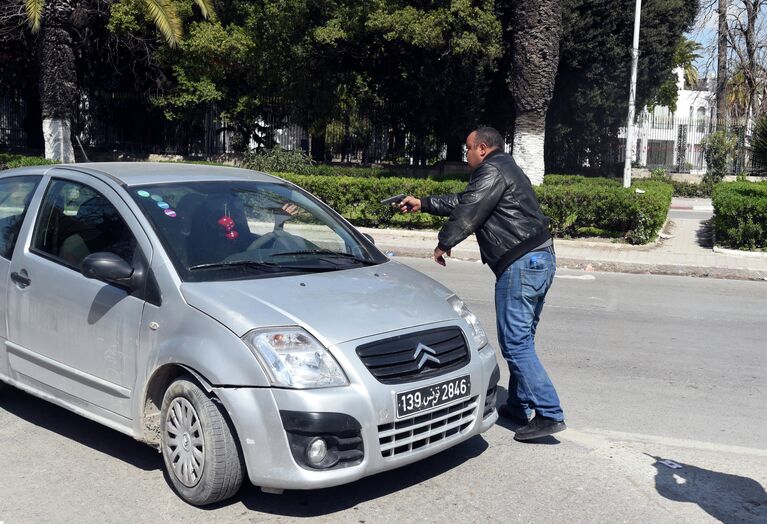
<point x="358" y="198"/>
<point x="9" y="161"/>
<point x="681" y="189"/>
<point x="602" y="207"/>
<point x="380" y="172"/>
<point x="740" y="215"/>
<point x="718" y="148"/>
<point x="759" y="144"/>
<point x="277" y="160"/>
<point x="577" y="206"/>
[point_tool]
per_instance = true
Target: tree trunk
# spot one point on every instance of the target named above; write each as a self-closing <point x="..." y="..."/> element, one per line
<point x="58" y="80"/>
<point x="535" y="58"/>
<point x="721" y="68"/>
<point x="529" y="136"/>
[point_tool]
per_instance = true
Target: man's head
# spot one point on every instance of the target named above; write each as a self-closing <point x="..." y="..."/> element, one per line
<point x="480" y="143"/>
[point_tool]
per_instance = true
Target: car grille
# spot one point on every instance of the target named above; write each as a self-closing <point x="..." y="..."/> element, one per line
<point x="399" y="359"/>
<point x="421" y="431"/>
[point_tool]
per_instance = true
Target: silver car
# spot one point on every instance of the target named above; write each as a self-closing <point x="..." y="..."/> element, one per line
<point x="233" y="321"/>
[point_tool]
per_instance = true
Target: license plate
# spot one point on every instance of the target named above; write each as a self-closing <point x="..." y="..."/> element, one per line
<point x="428" y="397"/>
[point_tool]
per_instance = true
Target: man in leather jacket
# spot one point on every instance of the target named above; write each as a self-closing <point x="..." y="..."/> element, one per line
<point x="500" y="207"/>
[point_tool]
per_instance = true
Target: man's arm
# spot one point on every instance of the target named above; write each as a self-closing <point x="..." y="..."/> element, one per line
<point x="440" y="205"/>
<point x="473" y="206"/>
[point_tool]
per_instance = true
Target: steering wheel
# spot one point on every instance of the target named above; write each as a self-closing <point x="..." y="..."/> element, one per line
<point x="278" y="239"/>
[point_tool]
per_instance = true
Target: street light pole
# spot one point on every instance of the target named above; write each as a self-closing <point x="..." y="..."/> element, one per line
<point x="630" y="127"/>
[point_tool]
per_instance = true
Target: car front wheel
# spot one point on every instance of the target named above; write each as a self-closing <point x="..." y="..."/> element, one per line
<point x="199" y="449"/>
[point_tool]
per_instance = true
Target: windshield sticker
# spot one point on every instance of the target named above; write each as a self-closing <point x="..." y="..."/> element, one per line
<point x="163" y="205"/>
<point x="170" y="213"/>
<point x="157" y="198"/>
<point x="143" y="193"/>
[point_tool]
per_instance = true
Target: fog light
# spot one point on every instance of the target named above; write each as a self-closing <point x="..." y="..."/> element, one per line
<point x="317" y="451"/>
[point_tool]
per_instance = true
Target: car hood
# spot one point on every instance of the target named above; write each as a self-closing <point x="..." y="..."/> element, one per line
<point x="335" y="307"/>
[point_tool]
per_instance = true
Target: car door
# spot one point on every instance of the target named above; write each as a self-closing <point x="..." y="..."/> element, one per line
<point x="73" y="337"/>
<point x="15" y="194"/>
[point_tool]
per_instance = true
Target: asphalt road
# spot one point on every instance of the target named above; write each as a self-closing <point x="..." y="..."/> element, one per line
<point x="649" y="368"/>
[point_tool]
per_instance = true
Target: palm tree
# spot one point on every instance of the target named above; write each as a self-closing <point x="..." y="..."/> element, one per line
<point x="685" y="55"/>
<point x="58" y="76"/>
<point x="535" y="57"/>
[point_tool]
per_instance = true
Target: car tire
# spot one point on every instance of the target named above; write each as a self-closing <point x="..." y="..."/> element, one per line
<point x="202" y="460"/>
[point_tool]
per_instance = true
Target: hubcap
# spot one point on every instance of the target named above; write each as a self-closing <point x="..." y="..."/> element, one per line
<point x="184" y="444"/>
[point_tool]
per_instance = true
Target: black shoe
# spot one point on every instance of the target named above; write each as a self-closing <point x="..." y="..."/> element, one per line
<point x="506" y="412"/>
<point x="539" y="427"/>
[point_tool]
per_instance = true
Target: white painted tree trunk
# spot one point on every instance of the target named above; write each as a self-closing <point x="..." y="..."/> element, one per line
<point x="529" y="134"/>
<point x="57" y="133"/>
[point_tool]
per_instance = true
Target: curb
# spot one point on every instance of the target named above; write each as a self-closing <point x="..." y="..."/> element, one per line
<point x="663" y="269"/>
<point x="692" y="208"/>
<point x="740" y="253"/>
<point x="611" y="267"/>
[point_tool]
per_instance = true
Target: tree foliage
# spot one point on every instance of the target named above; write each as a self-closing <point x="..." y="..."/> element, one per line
<point x="591" y="90"/>
<point x="430" y="70"/>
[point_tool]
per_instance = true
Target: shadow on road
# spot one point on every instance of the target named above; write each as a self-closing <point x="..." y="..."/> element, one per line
<point x="50" y="417"/>
<point x="291" y="504"/>
<point x="705" y="234"/>
<point x="326" y="501"/>
<point x="726" y="497"/>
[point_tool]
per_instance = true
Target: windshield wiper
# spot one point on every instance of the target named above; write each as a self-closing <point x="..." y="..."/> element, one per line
<point x="224" y="265"/>
<point x="324" y="253"/>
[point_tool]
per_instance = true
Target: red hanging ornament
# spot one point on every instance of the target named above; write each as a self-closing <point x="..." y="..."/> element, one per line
<point x="232" y="235"/>
<point x="226" y="223"/>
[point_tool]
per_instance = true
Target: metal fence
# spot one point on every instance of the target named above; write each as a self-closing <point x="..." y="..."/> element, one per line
<point x="677" y="144"/>
<point x="129" y="123"/>
<point x="13" y="112"/>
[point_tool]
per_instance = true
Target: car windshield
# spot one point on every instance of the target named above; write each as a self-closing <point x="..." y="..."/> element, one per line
<point x="226" y="230"/>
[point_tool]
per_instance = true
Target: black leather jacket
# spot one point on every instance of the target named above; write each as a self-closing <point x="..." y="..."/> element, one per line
<point x="499" y="205"/>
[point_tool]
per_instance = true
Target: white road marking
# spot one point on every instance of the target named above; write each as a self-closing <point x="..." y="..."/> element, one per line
<point x="594" y="438"/>
<point x="577" y="277"/>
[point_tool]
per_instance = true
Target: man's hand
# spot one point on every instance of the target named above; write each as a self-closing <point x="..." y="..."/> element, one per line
<point x="439" y="256"/>
<point x="410" y="204"/>
<point x="290" y="208"/>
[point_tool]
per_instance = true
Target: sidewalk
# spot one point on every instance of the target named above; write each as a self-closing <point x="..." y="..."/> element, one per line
<point x="686" y="248"/>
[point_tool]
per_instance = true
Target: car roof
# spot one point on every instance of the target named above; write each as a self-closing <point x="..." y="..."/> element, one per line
<point x="146" y="173"/>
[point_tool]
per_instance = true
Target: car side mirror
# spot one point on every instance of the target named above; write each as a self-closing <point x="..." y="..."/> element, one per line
<point x="370" y="237"/>
<point x="108" y="267"/>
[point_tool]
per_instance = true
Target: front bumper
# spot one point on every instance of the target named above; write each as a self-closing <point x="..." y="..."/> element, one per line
<point x="388" y="443"/>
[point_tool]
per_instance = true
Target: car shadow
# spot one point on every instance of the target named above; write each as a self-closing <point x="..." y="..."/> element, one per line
<point x="294" y="503"/>
<point x="501" y="396"/>
<point x="70" y="425"/>
<point x="726" y="497"/>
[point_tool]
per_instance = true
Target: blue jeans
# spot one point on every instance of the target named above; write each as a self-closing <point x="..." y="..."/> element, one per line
<point x="519" y="295"/>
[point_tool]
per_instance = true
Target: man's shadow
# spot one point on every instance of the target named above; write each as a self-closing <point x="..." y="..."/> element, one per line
<point x="726" y="497"/>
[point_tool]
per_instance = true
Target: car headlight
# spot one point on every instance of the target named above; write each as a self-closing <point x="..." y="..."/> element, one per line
<point x="480" y="337"/>
<point x="295" y="359"/>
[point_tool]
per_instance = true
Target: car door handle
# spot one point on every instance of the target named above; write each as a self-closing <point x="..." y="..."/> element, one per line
<point x="21" y="280"/>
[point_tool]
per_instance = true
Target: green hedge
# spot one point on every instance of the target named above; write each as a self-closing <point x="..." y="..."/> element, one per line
<point x="580" y="206"/>
<point x="377" y="172"/>
<point x="577" y="206"/>
<point x="9" y="161"/>
<point x="740" y="215"/>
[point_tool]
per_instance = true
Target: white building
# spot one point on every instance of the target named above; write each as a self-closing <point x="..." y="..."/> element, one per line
<point x="673" y="140"/>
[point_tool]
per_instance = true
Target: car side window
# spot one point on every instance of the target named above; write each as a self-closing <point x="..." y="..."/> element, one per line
<point x="76" y="220"/>
<point x="15" y="195"/>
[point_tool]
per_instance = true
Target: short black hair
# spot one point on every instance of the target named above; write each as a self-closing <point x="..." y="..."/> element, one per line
<point x="489" y="136"/>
